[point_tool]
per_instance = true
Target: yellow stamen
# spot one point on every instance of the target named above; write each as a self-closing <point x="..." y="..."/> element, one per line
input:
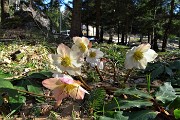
<point x="92" y="54"/>
<point x="66" y="61"/>
<point x="69" y="87"/>
<point x="138" y="55"/>
<point x="82" y="47"/>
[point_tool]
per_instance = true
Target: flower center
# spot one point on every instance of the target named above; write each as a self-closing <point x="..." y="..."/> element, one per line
<point x="138" y="55"/>
<point x="69" y="87"/>
<point x="92" y="54"/>
<point x="82" y="47"/>
<point x="66" y="61"/>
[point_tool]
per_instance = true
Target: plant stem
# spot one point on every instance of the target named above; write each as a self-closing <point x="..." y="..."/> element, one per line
<point x="114" y="69"/>
<point x="84" y="83"/>
<point x="24" y="91"/>
<point x="100" y="76"/>
<point x="127" y="76"/>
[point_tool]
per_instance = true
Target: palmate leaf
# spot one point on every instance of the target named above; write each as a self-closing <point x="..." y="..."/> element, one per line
<point x="127" y="104"/>
<point x="166" y="93"/>
<point x="175" y="103"/>
<point x="133" y="92"/>
<point x="142" y="115"/>
<point x="117" y="115"/>
<point x="158" y="71"/>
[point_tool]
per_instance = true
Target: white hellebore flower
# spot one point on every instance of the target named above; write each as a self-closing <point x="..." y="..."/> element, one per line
<point x="80" y="45"/>
<point x="66" y="60"/>
<point x="93" y="57"/>
<point x="138" y="57"/>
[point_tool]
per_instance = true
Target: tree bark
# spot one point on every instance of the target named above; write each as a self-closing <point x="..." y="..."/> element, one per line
<point x="4" y="10"/>
<point x="76" y="19"/>
<point x="98" y="17"/>
<point x="168" y="27"/>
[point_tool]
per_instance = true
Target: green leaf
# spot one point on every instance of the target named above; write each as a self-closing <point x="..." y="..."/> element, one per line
<point x="34" y="89"/>
<point x="127" y="104"/>
<point x="177" y="113"/>
<point x="175" y="65"/>
<point x="37" y="76"/>
<point x="156" y="72"/>
<point x="168" y="71"/>
<point x="47" y="73"/>
<point x="1" y="100"/>
<point x="117" y="115"/>
<point x="175" y="103"/>
<point x="134" y="92"/>
<point x="5" y="84"/>
<point x="142" y="115"/>
<point x="4" y="75"/>
<point x="166" y="93"/>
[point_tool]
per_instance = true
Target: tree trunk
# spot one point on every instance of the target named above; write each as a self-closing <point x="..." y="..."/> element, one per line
<point x="122" y="38"/>
<point x="149" y="37"/>
<point x="101" y="34"/>
<point x="168" y="27"/>
<point x="118" y="31"/>
<point x="76" y="19"/>
<point x="4" y="10"/>
<point x="155" y="45"/>
<point x="98" y="17"/>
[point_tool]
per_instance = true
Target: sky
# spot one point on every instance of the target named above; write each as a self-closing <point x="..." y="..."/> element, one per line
<point x="62" y="7"/>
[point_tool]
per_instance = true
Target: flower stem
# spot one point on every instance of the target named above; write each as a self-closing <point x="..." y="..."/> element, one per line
<point x="35" y="94"/>
<point x="127" y="76"/>
<point x="100" y="76"/>
<point x="84" y="83"/>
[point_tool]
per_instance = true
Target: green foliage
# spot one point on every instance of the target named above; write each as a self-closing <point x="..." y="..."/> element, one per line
<point x="177" y="113"/>
<point x="96" y="99"/>
<point x="134" y="92"/>
<point x="142" y="115"/>
<point x="92" y="76"/>
<point x="166" y="93"/>
<point x="114" y="52"/>
<point x="137" y="99"/>
<point x="167" y="70"/>
<point x="117" y="115"/>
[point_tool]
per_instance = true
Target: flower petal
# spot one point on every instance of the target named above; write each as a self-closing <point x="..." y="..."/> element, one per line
<point x="50" y="83"/>
<point x="150" y="55"/>
<point x="144" y="47"/>
<point x="63" y="50"/>
<point x="59" y="95"/>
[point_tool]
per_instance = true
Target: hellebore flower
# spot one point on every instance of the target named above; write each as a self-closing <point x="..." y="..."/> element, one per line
<point x="63" y="86"/>
<point x="93" y="55"/>
<point x="139" y="56"/>
<point x="80" y="45"/>
<point x="66" y="60"/>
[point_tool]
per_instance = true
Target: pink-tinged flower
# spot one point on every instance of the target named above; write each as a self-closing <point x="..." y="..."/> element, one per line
<point x="80" y="45"/>
<point x="93" y="57"/>
<point x="138" y="57"/>
<point x="66" y="60"/>
<point x="63" y="86"/>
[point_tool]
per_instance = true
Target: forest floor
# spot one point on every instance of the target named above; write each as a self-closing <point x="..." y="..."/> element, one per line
<point x="69" y="109"/>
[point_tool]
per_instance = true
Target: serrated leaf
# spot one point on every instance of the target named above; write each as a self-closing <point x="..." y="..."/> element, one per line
<point x="134" y="92"/>
<point x="127" y="104"/>
<point x="177" y="113"/>
<point x="166" y="93"/>
<point x="117" y="115"/>
<point x="175" y="103"/>
<point x="47" y="73"/>
<point x="37" y="76"/>
<point x="34" y="89"/>
<point x="168" y="71"/>
<point x="156" y="72"/>
<point x="142" y="115"/>
<point x="105" y="118"/>
<point x="175" y="65"/>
